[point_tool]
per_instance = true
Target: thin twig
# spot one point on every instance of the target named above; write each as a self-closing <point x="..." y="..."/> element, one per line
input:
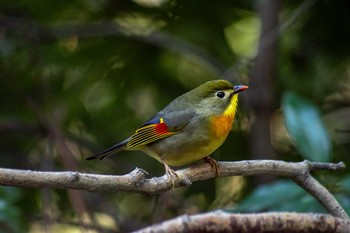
<point x="320" y="193"/>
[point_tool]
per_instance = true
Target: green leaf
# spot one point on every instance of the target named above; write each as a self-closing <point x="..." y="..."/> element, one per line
<point x="345" y="183"/>
<point x="10" y="212"/>
<point x="304" y="124"/>
<point x="282" y="195"/>
<point x="270" y="196"/>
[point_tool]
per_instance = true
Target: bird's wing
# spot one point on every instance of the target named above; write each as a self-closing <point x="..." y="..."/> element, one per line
<point x="160" y="126"/>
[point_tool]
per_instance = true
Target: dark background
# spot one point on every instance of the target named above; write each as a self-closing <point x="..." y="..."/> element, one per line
<point x="78" y="76"/>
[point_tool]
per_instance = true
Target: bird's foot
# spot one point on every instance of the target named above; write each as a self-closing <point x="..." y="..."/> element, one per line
<point x="213" y="163"/>
<point x="172" y="175"/>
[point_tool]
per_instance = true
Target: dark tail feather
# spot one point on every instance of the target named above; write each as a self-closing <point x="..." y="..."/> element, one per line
<point x="112" y="150"/>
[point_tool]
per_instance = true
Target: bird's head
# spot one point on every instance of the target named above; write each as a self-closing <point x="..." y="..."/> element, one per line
<point x="216" y="97"/>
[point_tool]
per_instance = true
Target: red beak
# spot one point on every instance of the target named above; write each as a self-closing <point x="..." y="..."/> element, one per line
<point x="239" y="88"/>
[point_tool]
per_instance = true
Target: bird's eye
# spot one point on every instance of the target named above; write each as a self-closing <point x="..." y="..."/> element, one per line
<point x="220" y="94"/>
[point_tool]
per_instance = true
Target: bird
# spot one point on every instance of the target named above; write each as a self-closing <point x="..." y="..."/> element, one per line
<point x="188" y="129"/>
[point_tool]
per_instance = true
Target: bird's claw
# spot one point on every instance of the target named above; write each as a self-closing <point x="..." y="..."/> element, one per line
<point x="172" y="175"/>
<point x="213" y="163"/>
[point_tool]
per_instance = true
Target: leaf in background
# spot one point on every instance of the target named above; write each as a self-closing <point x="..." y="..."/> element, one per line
<point x="270" y="196"/>
<point x="283" y="195"/>
<point x="304" y="124"/>
<point x="11" y="214"/>
<point x="346" y="183"/>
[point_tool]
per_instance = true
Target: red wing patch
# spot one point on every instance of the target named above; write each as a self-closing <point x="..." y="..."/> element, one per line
<point x="161" y="128"/>
<point x="148" y="134"/>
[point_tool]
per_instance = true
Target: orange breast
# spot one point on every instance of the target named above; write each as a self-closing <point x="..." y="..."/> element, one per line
<point x="221" y="125"/>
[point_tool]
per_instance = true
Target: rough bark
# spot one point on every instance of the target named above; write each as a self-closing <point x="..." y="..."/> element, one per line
<point x="220" y="221"/>
<point x="136" y="181"/>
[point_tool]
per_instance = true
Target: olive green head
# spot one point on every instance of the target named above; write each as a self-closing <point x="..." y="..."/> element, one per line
<point x="213" y="97"/>
<point x="207" y="89"/>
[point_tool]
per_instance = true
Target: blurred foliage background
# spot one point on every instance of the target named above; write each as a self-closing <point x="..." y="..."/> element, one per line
<point x="78" y="76"/>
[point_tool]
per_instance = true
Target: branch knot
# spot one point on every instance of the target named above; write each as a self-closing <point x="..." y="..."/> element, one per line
<point x="74" y="176"/>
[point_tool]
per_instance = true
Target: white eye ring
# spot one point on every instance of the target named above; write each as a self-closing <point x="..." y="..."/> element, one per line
<point x="220" y="94"/>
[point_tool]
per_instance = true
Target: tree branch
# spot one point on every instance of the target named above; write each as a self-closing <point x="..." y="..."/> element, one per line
<point x="259" y="223"/>
<point x="135" y="181"/>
